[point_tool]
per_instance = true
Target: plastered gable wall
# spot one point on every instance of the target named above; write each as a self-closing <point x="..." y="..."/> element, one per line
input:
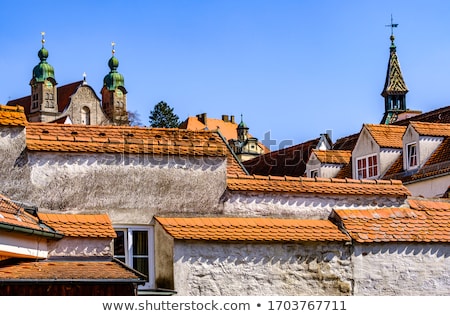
<point x="426" y="145"/>
<point x="401" y="269"/>
<point x="365" y="146"/>
<point x="214" y="268"/>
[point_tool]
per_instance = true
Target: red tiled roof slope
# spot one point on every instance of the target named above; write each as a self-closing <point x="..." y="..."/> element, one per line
<point x="251" y="229"/>
<point x="78" y="225"/>
<point x="388" y="136"/>
<point x="333" y="156"/>
<point x="12" y="116"/>
<point x="67" y="270"/>
<point x="421" y="224"/>
<point x="13" y="215"/>
<point x="123" y="139"/>
<point x="431" y="129"/>
<point x="331" y="186"/>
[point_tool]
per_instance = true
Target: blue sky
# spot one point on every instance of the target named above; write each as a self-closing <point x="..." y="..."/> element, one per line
<point x="292" y="68"/>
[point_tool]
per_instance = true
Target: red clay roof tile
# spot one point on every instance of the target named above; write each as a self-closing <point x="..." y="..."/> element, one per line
<point x="68" y="270"/>
<point x="13" y="215"/>
<point x="78" y="225"/>
<point x="389" y="136"/>
<point x="12" y="116"/>
<point x="251" y="229"/>
<point x="121" y="139"/>
<point x="316" y="186"/>
<point x="425" y="221"/>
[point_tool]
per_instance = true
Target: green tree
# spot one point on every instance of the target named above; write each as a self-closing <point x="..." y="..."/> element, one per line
<point x="162" y="115"/>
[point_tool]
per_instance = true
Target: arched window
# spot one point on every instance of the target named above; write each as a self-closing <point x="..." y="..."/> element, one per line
<point x="85" y="116"/>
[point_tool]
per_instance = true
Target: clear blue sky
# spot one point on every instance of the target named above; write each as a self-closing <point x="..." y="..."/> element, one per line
<point x="294" y="68"/>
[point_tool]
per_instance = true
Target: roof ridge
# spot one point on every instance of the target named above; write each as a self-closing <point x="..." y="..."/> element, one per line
<point x="316" y="179"/>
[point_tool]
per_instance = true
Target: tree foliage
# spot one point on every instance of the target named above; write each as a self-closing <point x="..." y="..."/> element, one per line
<point x="162" y="115"/>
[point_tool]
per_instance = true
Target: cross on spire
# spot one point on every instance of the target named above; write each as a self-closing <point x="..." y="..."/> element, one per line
<point x="392" y="25"/>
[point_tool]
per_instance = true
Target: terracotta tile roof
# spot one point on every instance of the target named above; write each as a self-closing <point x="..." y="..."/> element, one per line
<point x="387" y="136"/>
<point x="430" y="205"/>
<point x="12" y="116"/>
<point x="290" y="161"/>
<point x="333" y="156"/>
<point x="251" y="229"/>
<point x="13" y="215"/>
<point x="441" y="115"/>
<point x="297" y="185"/>
<point x="64" y="94"/>
<point x="431" y="129"/>
<point x="123" y="139"/>
<point x="397" y="224"/>
<point x="78" y="225"/>
<point x="70" y="270"/>
<point x="437" y="165"/>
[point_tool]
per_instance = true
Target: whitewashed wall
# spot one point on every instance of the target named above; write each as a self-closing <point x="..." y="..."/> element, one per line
<point x="314" y="206"/>
<point x="401" y="269"/>
<point x="213" y="268"/>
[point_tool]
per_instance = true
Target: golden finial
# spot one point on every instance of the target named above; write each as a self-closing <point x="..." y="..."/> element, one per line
<point x="113" y="44"/>
<point x="43" y="38"/>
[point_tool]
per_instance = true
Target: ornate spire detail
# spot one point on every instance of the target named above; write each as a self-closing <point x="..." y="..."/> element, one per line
<point x="395" y="89"/>
<point x="43" y="70"/>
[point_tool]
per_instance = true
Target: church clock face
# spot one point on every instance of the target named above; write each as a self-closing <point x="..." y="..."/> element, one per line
<point x="119" y="93"/>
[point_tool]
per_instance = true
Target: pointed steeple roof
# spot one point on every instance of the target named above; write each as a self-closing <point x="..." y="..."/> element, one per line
<point x="394" y="84"/>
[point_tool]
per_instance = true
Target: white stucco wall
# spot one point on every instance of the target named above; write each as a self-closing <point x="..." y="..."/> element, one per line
<point x="401" y="269"/>
<point x="80" y="247"/>
<point x="261" y="269"/>
<point x="430" y="188"/>
<point x="314" y="206"/>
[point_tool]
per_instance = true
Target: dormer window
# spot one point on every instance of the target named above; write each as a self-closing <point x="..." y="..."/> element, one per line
<point x="411" y="151"/>
<point x="314" y="173"/>
<point x="367" y="167"/>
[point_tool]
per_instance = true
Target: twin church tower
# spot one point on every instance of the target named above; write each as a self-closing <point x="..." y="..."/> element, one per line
<point x="74" y="103"/>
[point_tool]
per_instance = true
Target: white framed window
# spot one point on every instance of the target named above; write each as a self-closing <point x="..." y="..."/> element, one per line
<point x="411" y="155"/>
<point x="367" y="167"/>
<point x="134" y="246"/>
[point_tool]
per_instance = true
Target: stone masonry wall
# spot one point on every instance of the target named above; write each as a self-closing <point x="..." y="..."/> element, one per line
<point x="261" y="269"/>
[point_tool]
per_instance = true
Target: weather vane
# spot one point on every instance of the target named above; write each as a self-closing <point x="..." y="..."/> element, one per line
<point x="392" y="25"/>
<point x="113" y="44"/>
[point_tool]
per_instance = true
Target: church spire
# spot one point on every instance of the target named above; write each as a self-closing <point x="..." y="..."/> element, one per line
<point x="395" y="89"/>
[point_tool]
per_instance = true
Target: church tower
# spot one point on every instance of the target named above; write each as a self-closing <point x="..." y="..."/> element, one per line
<point x="44" y="107"/>
<point x="245" y="147"/>
<point x="114" y="101"/>
<point x="395" y="90"/>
